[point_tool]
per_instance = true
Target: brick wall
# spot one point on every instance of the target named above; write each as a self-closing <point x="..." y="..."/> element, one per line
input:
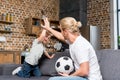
<point x="98" y="14"/>
<point x="22" y="9"/>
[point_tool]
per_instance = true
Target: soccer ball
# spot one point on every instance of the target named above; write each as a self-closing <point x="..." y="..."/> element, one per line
<point x="64" y="65"/>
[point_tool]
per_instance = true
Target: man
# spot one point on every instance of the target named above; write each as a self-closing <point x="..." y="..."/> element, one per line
<point x="81" y="51"/>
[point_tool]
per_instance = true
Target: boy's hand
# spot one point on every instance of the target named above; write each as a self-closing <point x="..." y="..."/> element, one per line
<point x="52" y="56"/>
<point x="46" y="24"/>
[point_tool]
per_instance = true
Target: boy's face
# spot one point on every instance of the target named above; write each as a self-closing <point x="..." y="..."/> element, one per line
<point x="46" y="39"/>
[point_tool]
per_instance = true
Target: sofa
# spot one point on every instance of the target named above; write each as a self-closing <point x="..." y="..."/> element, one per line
<point x="108" y="60"/>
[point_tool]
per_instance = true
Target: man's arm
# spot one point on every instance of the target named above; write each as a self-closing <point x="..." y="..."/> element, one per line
<point x="82" y="71"/>
<point x="57" y="34"/>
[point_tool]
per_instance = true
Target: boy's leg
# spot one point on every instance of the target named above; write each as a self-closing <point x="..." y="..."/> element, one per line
<point x="14" y="72"/>
<point x="36" y="71"/>
<point x="67" y="78"/>
<point x="25" y="71"/>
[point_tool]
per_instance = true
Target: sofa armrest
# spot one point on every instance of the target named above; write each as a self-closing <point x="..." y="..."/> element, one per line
<point x="1" y="69"/>
<point x="6" y="69"/>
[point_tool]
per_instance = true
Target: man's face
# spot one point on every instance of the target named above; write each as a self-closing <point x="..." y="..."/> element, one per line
<point x="64" y="32"/>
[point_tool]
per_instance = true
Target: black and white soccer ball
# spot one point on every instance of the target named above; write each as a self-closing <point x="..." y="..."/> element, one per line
<point x="64" y="65"/>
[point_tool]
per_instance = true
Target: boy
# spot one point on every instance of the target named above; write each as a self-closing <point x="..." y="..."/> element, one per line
<point x="31" y="61"/>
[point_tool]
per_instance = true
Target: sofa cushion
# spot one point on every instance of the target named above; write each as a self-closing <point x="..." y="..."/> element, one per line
<point x="47" y="66"/>
<point x="110" y="64"/>
<point x="10" y="77"/>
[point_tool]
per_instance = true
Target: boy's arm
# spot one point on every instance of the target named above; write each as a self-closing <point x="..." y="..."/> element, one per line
<point x="42" y="35"/>
<point x="40" y="38"/>
<point x="49" y="56"/>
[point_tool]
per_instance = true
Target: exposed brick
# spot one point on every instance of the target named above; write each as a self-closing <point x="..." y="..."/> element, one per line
<point x="98" y="14"/>
<point x="22" y="9"/>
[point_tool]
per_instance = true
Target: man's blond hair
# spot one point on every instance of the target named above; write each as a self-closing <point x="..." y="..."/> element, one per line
<point x="71" y="24"/>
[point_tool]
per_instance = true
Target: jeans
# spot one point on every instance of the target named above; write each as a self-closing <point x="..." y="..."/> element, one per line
<point x="28" y="69"/>
<point x="67" y="78"/>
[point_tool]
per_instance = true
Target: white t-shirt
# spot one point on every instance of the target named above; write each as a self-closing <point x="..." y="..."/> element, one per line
<point x="35" y="53"/>
<point x="82" y="51"/>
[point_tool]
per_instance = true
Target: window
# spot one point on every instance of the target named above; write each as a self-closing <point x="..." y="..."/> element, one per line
<point x="115" y="22"/>
<point x="118" y="22"/>
<point x="118" y="12"/>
